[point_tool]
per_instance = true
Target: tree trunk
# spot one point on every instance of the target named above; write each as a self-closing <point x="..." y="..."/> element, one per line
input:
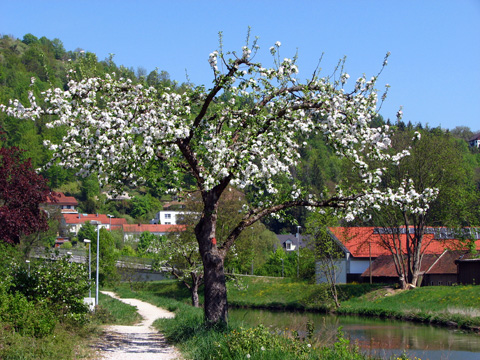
<point x="215" y="306"/>
<point x="196" y="280"/>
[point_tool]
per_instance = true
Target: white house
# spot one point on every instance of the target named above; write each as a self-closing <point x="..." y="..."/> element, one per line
<point x="168" y="217"/>
<point x="290" y="242"/>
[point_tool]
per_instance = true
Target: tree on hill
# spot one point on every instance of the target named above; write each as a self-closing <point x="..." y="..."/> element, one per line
<point x="126" y="132"/>
<point x="22" y="190"/>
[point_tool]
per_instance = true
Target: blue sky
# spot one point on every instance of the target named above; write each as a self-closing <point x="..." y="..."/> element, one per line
<point x="433" y="71"/>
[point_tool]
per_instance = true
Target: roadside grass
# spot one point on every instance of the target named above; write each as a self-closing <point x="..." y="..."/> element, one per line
<point x="67" y="341"/>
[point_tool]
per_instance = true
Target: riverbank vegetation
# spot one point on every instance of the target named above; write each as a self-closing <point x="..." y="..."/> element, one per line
<point x="195" y="340"/>
<point x="455" y="306"/>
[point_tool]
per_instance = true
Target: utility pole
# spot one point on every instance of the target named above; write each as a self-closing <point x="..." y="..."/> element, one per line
<point x="298" y="251"/>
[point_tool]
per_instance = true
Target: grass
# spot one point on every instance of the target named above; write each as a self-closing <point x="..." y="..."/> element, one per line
<point x="197" y="341"/>
<point x="113" y="311"/>
<point x="289" y="294"/>
<point x="67" y="341"/>
<point x="444" y="305"/>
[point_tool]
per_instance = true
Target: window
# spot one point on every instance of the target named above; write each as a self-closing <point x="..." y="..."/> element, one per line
<point x="167" y="223"/>
<point x="168" y="216"/>
<point x="439" y="283"/>
<point x="288" y="245"/>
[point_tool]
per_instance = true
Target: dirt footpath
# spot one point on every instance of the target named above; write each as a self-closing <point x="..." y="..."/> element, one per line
<point x="138" y="342"/>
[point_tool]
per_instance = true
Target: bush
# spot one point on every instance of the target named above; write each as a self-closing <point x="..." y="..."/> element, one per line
<point x="66" y="245"/>
<point x="25" y="317"/>
<point x="260" y="342"/>
<point x="60" y="285"/>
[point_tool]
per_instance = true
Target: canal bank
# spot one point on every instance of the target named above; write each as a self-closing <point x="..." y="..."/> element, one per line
<point x="190" y="335"/>
<point x="455" y="307"/>
<point x="378" y="338"/>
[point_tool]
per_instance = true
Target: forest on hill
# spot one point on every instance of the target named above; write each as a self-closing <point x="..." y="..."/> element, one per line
<point x="50" y="64"/>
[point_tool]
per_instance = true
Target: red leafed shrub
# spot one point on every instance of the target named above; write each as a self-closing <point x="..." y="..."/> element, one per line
<point x="22" y="190"/>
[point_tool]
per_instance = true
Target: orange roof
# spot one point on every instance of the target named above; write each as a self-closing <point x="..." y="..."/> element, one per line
<point x="63" y="200"/>
<point x="83" y="218"/>
<point x="363" y="242"/>
<point x="153" y="228"/>
<point x="444" y="263"/>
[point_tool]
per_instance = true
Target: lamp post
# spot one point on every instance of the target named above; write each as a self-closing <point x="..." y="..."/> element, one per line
<point x="298" y="251"/>
<point x="28" y="263"/>
<point x="87" y="241"/>
<point x="110" y="216"/>
<point x="98" y="223"/>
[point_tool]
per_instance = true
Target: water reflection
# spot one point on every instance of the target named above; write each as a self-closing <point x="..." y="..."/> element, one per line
<point x="375" y="336"/>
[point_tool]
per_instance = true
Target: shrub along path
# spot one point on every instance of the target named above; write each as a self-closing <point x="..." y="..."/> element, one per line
<point x="138" y="342"/>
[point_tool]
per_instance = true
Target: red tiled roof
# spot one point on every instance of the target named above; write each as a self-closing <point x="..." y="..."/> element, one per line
<point x="63" y="200"/>
<point x="444" y="263"/>
<point x="385" y="267"/>
<point x="363" y="242"/>
<point x="82" y="218"/>
<point x="153" y="228"/>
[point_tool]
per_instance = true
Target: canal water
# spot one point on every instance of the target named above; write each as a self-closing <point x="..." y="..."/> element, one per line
<point x="378" y="337"/>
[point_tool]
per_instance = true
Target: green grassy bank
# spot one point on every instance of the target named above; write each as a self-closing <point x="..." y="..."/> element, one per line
<point x="188" y="332"/>
<point x="456" y="306"/>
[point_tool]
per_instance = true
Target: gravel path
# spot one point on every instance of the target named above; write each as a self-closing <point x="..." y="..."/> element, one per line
<point x="138" y="342"/>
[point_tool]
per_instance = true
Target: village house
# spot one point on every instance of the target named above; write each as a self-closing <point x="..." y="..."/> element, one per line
<point x="365" y="256"/>
<point x="474" y="141"/>
<point x="290" y="242"/>
<point x="73" y="222"/>
<point x="66" y="204"/>
<point x="168" y="217"/>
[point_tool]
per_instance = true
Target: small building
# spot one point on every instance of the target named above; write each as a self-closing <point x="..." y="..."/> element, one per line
<point x="468" y="269"/>
<point x="475" y="141"/>
<point x="66" y="204"/>
<point x="436" y="269"/>
<point x="444" y="271"/>
<point x="290" y="242"/>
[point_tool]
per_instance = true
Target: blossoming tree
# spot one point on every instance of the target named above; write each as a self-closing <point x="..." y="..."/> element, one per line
<point x="245" y="131"/>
